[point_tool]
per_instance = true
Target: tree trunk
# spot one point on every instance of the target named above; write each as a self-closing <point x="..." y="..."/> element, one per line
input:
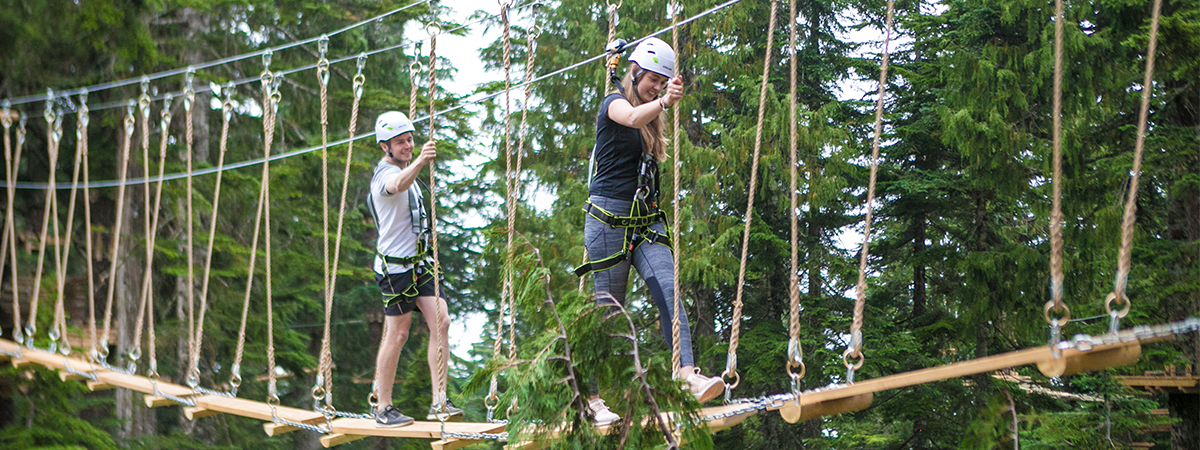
<point x="918" y="267"/>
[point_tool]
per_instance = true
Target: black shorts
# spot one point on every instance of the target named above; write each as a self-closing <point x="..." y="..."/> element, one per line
<point x="400" y="290"/>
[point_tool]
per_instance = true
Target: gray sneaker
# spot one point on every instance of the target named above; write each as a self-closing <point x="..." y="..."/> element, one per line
<point x="449" y="413"/>
<point x="391" y="417"/>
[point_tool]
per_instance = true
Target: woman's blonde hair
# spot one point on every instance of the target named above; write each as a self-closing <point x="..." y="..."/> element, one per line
<point x="652" y="133"/>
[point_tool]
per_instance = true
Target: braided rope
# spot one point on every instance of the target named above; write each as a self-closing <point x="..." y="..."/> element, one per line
<point x="271" y="103"/>
<point x="144" y="106"/>
<point x="319" y="392"/>
<point x="60" y="317"/>
<point x="1056" y="218"/>
<point x="112" y="273"/>
<point x="12" y="162"/>
<point x="529" y="64"/>
<point x="676" y="346"/>
<point x="1124" y="261"/>
<point x="795" y="353"/>
<point x="437" y="287"/>
<point x="193" y="373"/>
<point x="152" y="236"/>
<point x="860" y="288"/>
<point x="506" y="288"/>
<point x="612" y="34"/>
<point x="81" y="135"/>
<point x="47" y="217"/>
<point x="226" y="114"/>
<point x="731" y="360"/>
<point x="359" y="80"/>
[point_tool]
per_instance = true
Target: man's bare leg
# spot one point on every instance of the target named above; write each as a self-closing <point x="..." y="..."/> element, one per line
<point x="394" y="336"/>
<point x="428" y="307"/>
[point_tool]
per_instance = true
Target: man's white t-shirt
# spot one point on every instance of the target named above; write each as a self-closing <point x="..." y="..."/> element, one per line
<point x="394" y="215"/>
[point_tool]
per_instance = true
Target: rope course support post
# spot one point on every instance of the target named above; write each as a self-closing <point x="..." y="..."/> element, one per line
<point x="123" y="173"/>
<point x="731" y="358"/>
<point x="675" y="10"/>
<point x="31" y="325"/>
<point x="1124" y="260"/>
<point x="853" y="358"/>
<point x="795" y="367"/>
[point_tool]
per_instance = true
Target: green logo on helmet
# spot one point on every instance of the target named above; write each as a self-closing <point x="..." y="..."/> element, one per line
<point x="655" y="59"/>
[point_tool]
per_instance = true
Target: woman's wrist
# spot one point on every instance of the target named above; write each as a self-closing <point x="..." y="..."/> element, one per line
<point x="663" y="104"/>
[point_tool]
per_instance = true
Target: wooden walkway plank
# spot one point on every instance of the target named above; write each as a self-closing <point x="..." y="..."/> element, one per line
<point x="993" y="363"/>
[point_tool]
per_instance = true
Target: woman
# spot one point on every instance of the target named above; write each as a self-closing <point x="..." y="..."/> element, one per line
<point x="624" y="225"/>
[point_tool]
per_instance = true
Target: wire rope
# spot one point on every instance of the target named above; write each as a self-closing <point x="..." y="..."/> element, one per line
<point x="306" y="150"/>
<point x="214" y="63"/>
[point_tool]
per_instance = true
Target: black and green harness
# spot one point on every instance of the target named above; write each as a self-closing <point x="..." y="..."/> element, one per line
<point x="419" y="261"/>
<point x="643" y="213"/>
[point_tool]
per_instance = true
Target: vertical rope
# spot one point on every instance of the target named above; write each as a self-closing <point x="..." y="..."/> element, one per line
<point x="506" y="288"/>
<point x="81" y="136"/>
<point x="271" y="105"/>
<point x="193" y="372"/>
<point x="12" y="163"/>
<point x="611" y="62"/>
<point x="47" y="217"/>
<point x="359" y="81"/>
<point x="112" y="271"/>
<point x="731" y="359"/>
<point x="1056" y="218"/>
<point x="860" y="289"/>
<point x="226" y="114"/>
<point x="325" y="359"/>
<point x="1124" y="261"/>
<point x="676" y="166"/>
<point x="144" y="106"/>
<point x="59" y="307"/>
<point x="152" y="238"/>
<point x="795" y="354"/>
<point x="437" y="287"/>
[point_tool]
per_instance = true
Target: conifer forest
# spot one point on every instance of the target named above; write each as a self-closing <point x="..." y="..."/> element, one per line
<point x="1009" y="194"/>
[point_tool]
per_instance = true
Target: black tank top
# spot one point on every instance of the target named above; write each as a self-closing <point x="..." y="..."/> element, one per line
<point x="618" y="153"/>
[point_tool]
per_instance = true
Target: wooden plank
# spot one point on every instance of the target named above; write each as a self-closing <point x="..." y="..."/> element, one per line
<point x="153" y="401"/>
<point x="257" y="410"/>
<point x="195" y="412"/>
<point x="456" y="443"/>
<point x="99" y="386"/>
<point x="141" y="384"/>
<point x="954" y="370"/>
<point x="330" y="440"/>
<point x="418" y="429"/>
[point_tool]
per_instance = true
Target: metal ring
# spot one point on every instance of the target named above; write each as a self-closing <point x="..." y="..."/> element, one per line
<point x="737" y="379"/>
<point x="853" y="353"/>
<point x="433" y="29"/>
<point x="1110" y="299"/>
<point x="1060" y="321"/>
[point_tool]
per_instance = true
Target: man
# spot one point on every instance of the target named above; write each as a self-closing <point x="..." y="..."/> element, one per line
<point x="402" y="266"/>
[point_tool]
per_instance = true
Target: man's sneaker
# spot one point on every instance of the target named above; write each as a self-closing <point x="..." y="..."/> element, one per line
<point x="391" y="417"/>
<point x="449" y="414"/>
<point x="702" y="387"/>
<point x="600" y="412"/>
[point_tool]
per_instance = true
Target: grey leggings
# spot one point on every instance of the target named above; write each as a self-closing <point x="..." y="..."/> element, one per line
<point x="654" y="262"/>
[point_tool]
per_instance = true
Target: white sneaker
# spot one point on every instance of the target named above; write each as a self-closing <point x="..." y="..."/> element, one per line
<point x="702" y="387"/>
<point x="600" y="412"/>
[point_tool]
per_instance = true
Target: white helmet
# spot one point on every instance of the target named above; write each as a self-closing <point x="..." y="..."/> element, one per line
<point x="656" y="56"/>
<point x="391" y="124"/>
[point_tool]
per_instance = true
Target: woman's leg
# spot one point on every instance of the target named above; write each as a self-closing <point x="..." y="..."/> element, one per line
<point x="655" y="263"/>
